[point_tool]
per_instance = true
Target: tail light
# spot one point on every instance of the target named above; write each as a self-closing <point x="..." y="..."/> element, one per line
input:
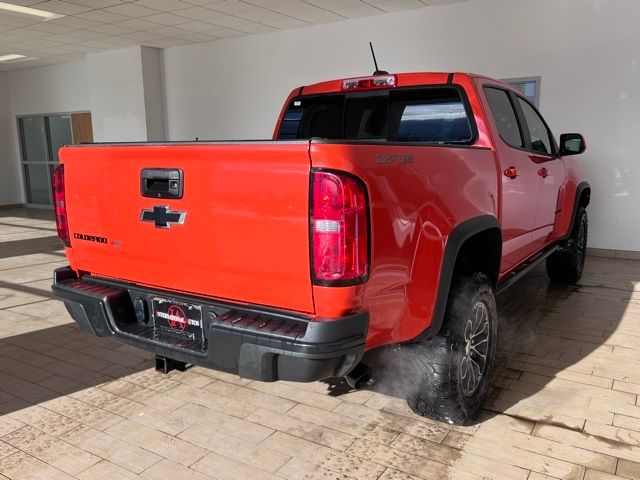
<point x="339" y="229"/>
<point x="60" y="206"/>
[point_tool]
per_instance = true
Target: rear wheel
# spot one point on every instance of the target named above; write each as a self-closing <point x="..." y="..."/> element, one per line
<point x="452" y="369"/>
<point x="566" y="264"/>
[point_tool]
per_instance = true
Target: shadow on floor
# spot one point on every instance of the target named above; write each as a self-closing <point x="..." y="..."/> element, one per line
<point x="30" y="246"/>
<point x="23" y="212"/>
<point x="45" y="364"/>
<point x="29" y="227"/>
<point x="22" y="288"/>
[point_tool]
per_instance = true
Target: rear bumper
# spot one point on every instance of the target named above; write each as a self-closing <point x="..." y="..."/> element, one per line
<point x="253" y="342"/>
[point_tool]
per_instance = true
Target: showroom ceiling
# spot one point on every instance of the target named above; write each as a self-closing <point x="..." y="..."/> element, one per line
<point x="57" y="31"/>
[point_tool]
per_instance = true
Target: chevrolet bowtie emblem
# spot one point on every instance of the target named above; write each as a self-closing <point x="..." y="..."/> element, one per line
<point x="162" y="216"/>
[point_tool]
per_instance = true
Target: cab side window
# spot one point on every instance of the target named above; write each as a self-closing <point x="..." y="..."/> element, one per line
<point x="538" y="132"/>
<point x="505" y="116"/>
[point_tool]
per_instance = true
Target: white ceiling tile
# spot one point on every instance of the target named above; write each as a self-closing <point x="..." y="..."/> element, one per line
<point x="167" y="43"/>
<point x="64" y="38"/>
<point x="399" y="5"/>
<point x="308" y="13"/>
<point x="231" y="7"/>
<point x="6" y="38"/>
<point x="164" y="5"/>
<point x="137" y="24"/>
<point x="28" y="3"/>
<point x="165" y="19"/>
<point x="101" y="44"/>
<point x="119" y="40"/>
<point x="261" y="15"/>
<point x="359" y="11"/>
<point x="27" y="33"/>
<point x="109" y="29"/>
<point x="16" y="20"/>
<point x="50" y="27"/>
<point x="86" y="34"/>
<point x="75" y="22"/>
<point x="143" y="36"/>
<point x="95" y="3"/>
<point x="64" y="8"/>
<point x="131" y="10"/>
<point x="334" y="5"/>
<point x="198" y="13"/>
<point x="270" y="3"/>
<point x="168" y="31"/>
<point x="285" y="22"/>
<point x="229" y="21"/>
<point x="255" y="28"/>
<point x="196" y="26"/>
<point x="196" y="37"/>
<point x="226" y="33"/>
<point x="102" y="16"/>
<point x="40" y="42"/>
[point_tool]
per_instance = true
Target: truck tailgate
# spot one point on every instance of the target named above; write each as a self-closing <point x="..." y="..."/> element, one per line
<point x="245" y="235"/>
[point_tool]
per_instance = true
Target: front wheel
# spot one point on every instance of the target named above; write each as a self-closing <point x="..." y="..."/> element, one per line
<point x="452" y="369"/>
<point x="566" y="264"/>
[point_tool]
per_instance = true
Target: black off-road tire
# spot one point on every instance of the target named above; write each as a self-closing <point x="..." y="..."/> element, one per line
<point x="566" y="264"/>
<point x="440" y="365"/>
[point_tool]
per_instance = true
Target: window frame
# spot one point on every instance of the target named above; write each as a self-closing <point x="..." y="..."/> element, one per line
<point x="525" y="127"/>
<point x="522" y="122"/>
<point x="525" y="140"/>
<point x="464" y="98"/>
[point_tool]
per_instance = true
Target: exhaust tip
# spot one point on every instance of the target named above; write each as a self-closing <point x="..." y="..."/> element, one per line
<point x="360" y="377"/>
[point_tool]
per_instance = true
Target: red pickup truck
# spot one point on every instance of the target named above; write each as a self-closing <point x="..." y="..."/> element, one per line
<point x="387" y="210"/>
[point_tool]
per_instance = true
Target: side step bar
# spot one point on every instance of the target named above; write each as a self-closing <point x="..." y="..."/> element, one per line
<point x="530" y="265"/>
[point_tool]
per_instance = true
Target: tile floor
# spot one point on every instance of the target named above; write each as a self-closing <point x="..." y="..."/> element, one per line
<point x="565" y="401"/>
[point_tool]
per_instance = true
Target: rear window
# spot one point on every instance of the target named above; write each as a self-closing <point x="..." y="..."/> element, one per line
<point x="433" y="115"/>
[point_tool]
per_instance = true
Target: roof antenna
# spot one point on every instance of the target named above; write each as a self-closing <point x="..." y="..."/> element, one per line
<point x="375" y="62"/>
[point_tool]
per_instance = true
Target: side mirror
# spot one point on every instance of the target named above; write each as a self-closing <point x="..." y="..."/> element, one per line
<point x="572" y="144"/>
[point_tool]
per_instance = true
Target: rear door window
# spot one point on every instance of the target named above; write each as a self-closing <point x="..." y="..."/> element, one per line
<point x="505" y="116"/>
<point x="431" y="115"/>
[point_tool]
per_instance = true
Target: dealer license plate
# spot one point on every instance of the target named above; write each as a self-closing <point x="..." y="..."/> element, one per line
<point x="177" y="319"/>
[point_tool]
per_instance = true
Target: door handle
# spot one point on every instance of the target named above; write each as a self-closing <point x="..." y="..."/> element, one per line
<point x="543" y="172"/>
<point x="511" y="172"/>
<point x="161" y="183"/>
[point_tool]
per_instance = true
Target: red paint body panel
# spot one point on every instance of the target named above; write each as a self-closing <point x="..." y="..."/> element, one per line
<point x="414" y="207"/>
<point x="246" y="234"/>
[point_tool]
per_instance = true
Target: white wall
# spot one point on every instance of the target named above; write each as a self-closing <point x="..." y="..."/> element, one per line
<point x="10" y="185"/>
<point x="585" y="50"/>
<point x="117" y="95"/>
<point x="52" y="89"/>
<point x="127" y="97"/>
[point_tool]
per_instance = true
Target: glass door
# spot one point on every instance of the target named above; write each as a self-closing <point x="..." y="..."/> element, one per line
<point x="41" y="136"/>
<point x="35" y="159"/>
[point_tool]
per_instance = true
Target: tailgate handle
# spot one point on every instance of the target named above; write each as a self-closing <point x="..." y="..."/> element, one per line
<point x="161" y="183"/>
